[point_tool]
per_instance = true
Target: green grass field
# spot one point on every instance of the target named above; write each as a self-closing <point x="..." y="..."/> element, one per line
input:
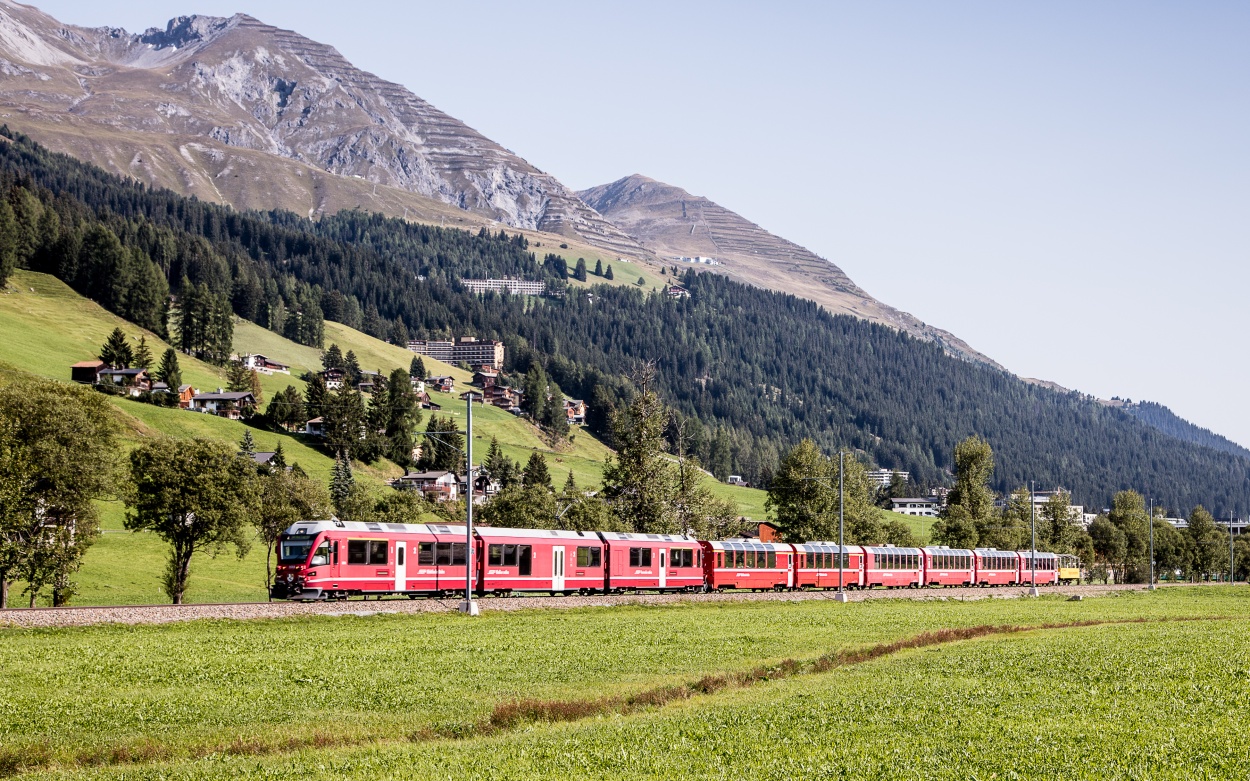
<point x="212" y="689"/>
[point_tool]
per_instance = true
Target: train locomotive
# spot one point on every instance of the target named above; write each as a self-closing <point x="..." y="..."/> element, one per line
<point x="336" y="559"/>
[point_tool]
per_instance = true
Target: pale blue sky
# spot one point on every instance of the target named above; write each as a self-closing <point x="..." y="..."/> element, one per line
<point x="1064" y="185"/>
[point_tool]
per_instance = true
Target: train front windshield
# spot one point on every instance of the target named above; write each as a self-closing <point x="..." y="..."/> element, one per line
<point x="293" y="548"/>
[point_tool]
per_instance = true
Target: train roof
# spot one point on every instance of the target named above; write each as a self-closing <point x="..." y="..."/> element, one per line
<point x="610" y="536"/>
<point x="823" y="547"/>
<point x="879" y="549"/>
<point x="558" y="534"/>
<point x="945" y="549"/>
<point x="316" y="527"/>
<point x="985" y="551"/>
<point x="1041" y="554"/>
<point x="745" y="545"/>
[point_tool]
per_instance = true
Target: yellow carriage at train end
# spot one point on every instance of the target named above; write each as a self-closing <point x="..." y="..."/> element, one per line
<point x="1069" y="570"/>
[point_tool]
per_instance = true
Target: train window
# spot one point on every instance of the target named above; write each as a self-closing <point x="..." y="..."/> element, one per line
<point x="321" y="556"/>
<point x="334" y="551"/>
<point x="640" y="557"/>
<point x="356" y="552"/>
<point x="425" y="553"/>
<point x="377" y="551"/>
<point x="399" y="553"/>
<point x="589" y="557"/>
<point x="524" y="556"/>
<point x="681" y="557"/>
<point x="772" y="559"/>
<point x="698" y="557"/>
<point x="720" y="561"/>
<point x="739" y="559"/>
<point x="458" y="553"/>
<point x="750" y="562"/>
<point x="442" y="553"/>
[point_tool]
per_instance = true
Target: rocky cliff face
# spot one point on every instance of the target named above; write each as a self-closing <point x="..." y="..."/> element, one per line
<point x="238" y="111"/>
<point x="673" y="223"/>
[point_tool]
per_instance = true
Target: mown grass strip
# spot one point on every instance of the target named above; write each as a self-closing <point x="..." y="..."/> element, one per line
<point x="512" y="715"/>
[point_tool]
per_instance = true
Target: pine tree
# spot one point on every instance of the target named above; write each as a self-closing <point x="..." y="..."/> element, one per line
<point x="116" y="351"/>
<point x="417" y="368"/>
<point x="607" y="274"/>
<point x="570" y="486"/>
<point x="641" y="281"/>
<point x="247" y="446"/>
<point x="238" y="377"/>
<point x="332" y="358"/>
<point x="342" y="482"/>
<point x="254" y="386"/>
<point x="352" y="367"/>
<point x="534" y="390"/>
<point x="598" y="267"/>
<point x="579" y="273"/>
<point x="638" y="482"/>
<point x="143" y="355"/>
<point x="278" y="462"/>
<point x="536" y="473"/>
<point x="315" y="396"/>
<point x="169" y="372"/>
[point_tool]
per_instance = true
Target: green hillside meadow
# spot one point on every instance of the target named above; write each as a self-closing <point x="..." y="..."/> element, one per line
<point x="45" y="327"/>
<point x="1123" y="686"/>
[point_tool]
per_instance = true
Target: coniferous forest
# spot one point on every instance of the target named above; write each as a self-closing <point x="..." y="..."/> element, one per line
<point x="751" y="371"/>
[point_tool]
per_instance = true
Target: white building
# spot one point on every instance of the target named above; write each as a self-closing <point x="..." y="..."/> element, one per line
<point x="882" y="477"/>
<point x="927" y="508"/>
<point x="525" y="287"/>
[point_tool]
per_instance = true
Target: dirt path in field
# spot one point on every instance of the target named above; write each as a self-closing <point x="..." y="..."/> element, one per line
<point x="159" y="614"/>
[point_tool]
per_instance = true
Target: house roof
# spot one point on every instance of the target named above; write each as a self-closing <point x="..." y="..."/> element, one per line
<point x="236" y="396"/>
<point x="182" y="388"/>
<point x="263" y="457"/>
<point x="88" y="364"/>
<point x="317" y="420"/>
<point x="426" y="475"/>
<point x="124" y="372"/>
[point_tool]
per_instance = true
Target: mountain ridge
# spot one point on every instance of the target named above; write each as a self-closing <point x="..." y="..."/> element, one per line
<point x="673" y="223"/>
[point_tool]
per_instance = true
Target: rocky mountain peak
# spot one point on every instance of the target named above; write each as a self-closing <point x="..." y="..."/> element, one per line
<point x="183" y="31"/>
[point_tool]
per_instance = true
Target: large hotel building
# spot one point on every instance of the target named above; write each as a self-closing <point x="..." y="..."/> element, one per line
<point x="465" y="349"/>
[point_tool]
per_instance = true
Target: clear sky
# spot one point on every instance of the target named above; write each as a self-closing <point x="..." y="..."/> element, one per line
<point x="1065" y="185"/>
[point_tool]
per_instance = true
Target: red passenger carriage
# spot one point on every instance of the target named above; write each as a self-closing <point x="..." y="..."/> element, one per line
<point x="661" y="562"/>
<point x="944" y="566"/>
<point x="512" y="560"/>
<point x="997" y="567"/>
<point x="816" y="565"/>
<point x="1046" y="567"/>
<point x="892" y="567"/>
<point x="747" y="564"/>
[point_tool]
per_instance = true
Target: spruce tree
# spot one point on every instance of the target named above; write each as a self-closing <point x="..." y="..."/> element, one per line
<point x="352" y="367"/>
<point x="116" y="351"/>
<point x="417" y="368"/>
<point x="278" y="462"/>
<point x="579" y="273"/>
<point x="536" y="474"/>
<point x="607" y="274"/>
<point x="341" y="481"/>
<point x="641" y="281"/>
<point x="247" y="445"/>
<point x="332" y="358"/>
<point x="598" y="267"/>
<point x="315" y="396"/>
<point x="169" y="372"/>
<point x="570" y="485"/>
<point x="143" y="355"/>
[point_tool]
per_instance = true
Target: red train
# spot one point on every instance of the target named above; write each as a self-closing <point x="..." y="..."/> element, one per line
<point x="334" y="560"/>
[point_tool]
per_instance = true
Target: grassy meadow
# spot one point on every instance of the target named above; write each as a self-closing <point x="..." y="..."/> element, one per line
<point x="422" y="695"/>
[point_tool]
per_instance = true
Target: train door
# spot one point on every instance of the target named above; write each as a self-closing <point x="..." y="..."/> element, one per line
<point x="663" y="567"/>
<point x="401" y="566"/>
<point x="557" y="568"/>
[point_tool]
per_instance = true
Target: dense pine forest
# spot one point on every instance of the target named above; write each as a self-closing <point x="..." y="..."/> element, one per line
<point x="751" y="371"/>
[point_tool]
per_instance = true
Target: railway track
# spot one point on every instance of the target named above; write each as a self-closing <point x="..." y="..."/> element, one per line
<point x="160" y="614"/>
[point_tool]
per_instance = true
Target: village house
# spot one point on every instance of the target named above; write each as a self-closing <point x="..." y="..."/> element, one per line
<point x="86" y="371"/>
<point x="315" y="428"/>
<point x="263" y="365"/>
<point x="483" y="488"/>
<point x="185" y="394"/>
<point x="334" y="378"/>
<point x="369" y="381"/>
<point x="442" y="384"/>
<point x="135" y="381"/>
<point x="485" y="377"/>
<point x="231" y="405"/>
<point x="475" y="396"/>
<point x="575" y="409"/>
<point x="738" y="481"/>
<point x="418" y="384"/>
<point x="676" y="292"/>
<point x="436" y="486"/>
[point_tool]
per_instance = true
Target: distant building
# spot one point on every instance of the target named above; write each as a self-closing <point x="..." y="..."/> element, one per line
<point x="436" y="486"/>
<point x="524" y="287"/>
<point x="698" y="259"/>
<point x="927" y="508"/>
<point x="676" y="292"/>
<point x="738" y="481"/>
<point x="86" y="371"/>
<point x="882" y="477"/>
<point x="232" y="405"/>
<point x="465" y="349"/>
<point x="262" y="365"/>
<point x="575" y="410"/>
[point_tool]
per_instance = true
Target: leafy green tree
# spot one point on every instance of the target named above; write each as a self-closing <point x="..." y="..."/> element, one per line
<point x="116" y="351"/>
<point x="57" y="457"/>
<point x="1012" y="529"/>
<point x="970" y="503"/>
<point x="536" y="474"/>
<point x="521" y="507"/>
<point x="1055" y="523"/>
<point x="168" y="371"/>
<point x="1110" y="544"/>
<point x="1128" y="514"/>
<point x="1208" y="543"/>
<point x="1172" y="550"/>
<point x="197" y="495"/>
<point x="286" y="498"/>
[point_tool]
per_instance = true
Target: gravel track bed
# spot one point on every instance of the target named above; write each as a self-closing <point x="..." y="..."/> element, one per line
<point x="160" y="614"/>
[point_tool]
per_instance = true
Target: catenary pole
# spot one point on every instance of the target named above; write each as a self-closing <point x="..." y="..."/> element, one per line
<point x="1232" y="563"/>
<point x="1033" y="533"/>
<point x="469" y="606"/>
<point x="841" y="517"/>
<point x="1152" y="545"/>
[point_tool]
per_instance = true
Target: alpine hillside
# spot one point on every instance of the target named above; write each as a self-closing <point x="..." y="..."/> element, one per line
<point x="673" y="223"/>
<point x="236" y="111"/>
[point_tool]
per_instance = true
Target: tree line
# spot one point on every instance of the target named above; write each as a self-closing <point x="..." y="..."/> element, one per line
<point x="750" y="371"/>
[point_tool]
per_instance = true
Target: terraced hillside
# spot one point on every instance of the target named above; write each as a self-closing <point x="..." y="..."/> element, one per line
<point x="673" y="223"/>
